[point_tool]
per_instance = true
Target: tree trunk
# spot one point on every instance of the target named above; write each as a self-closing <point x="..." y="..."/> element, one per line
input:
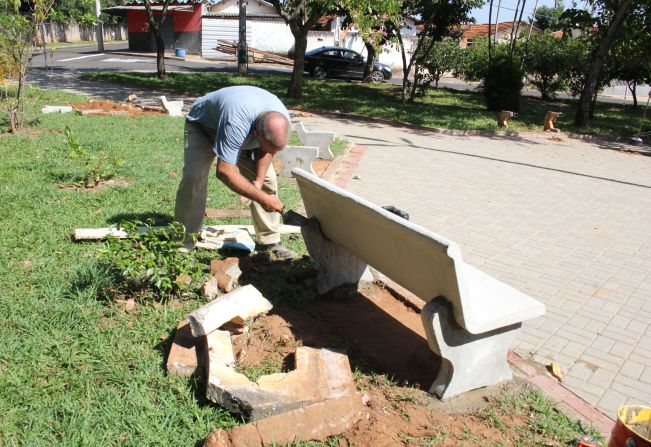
<point x="15" y="109"/>
<point x="598" y="58"/>
<point x="370" y="50"/>
<point x="632" y="86"/>
<point x="414" y="86"/>
<point x="160" y="54"/>
<point x="295" y="89"/>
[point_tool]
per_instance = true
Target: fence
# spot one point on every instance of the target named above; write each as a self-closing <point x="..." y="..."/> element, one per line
<point x="74" y="32"/>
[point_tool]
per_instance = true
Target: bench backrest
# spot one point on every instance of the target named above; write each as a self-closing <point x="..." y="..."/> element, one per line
<point x="420" y="260"/>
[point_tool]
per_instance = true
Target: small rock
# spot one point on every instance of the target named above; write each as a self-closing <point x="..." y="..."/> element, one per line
<point x="132" y="97"/>
<point x="226" y="271"/>
<point x="218" y="438"/>
<point x="211" y="288"/>
<point x="357" y="177"/>
<point x="366" y="399"/>
<point x="556" y="371"/>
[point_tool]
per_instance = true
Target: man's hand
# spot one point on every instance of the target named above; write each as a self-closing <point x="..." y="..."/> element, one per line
<point x="245" y="200"/>
<point x="272" y="204"/>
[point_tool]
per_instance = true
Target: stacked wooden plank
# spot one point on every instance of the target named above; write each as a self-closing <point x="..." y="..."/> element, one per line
<point x="255" y="55"/>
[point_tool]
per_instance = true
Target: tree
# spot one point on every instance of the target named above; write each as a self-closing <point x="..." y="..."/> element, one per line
<point x="444" y="56"/>
<point x="437" y="19"/>
<point x="18" y="40"/>
<point x="474" y="60"/>
<point x="546" y="64"/>
<point x="155" y="22"/>
<point x="548" y="17"/>
<point x="608" y="23"/>
<point x="301" y="16"/>
<point x="631" y="57"/>
<point x="370" y="18"/>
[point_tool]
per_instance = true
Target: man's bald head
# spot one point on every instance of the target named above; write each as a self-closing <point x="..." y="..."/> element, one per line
<point x="274" y="128"/>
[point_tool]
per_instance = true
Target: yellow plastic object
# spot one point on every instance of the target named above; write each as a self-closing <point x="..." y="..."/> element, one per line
<point x="633" y="427"/>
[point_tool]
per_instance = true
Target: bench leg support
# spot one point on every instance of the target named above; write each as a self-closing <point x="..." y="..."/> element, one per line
<point x="468" y="361"/>
<point x="338" y="265"/>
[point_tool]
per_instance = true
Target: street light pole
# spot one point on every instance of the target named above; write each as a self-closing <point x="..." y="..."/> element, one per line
<point x="99" y="28"/>
<point x="242" y="49"/>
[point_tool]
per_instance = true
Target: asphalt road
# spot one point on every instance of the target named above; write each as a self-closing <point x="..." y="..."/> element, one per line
<point x="117" y="57"/>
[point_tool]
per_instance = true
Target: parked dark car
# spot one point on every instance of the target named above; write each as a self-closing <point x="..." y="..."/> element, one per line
<point x="337" y="62"/>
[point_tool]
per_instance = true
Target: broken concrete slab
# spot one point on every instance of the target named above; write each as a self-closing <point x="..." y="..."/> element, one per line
<point x="220" y="348"/>
<point x="226" y="272"/>
<point x="321" y="140"/>
<point x="297" y="157"/>
<point x="315" y="422"/>
<point x="320" y="374"/>
<point x="244" y="302"/>
<point x="237" y="239"/>
<point x="173" y="108"/>
<point x="210" y="288"/>
<point x="186" y="353"/>
<point x="56" y="109"/>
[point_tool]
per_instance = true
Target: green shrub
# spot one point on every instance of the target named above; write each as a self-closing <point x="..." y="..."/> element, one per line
<point x="149" y="263"/>
<point x="502" y="84"/>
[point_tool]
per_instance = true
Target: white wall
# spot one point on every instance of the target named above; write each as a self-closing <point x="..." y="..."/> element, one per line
<point x="270" y="35"/>
<point x="232" y="7"/>
<point x="390" y="55"/>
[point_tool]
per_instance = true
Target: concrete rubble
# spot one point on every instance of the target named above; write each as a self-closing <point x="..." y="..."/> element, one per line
<point x="319" y="374"/>
<point x="226" y="272"/>
<point x="244" y="302"/>
<point x="317" y="422"/>
<point x="56" y="109"/>
<point x="315" y="400"/>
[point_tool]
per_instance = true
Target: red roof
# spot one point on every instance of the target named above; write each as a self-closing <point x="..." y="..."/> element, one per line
<point x="472" y="31"/>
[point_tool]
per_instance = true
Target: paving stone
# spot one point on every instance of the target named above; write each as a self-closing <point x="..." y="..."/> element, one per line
<point x="244" y="302"/>
<point x="632" y="369"/>
<point x="226" y="272"/>
<point x="602" y="378"/>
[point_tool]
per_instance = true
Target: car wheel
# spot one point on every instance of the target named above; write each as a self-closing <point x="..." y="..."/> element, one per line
<point x="319" y="72"/>
<point x="377" y="76"/>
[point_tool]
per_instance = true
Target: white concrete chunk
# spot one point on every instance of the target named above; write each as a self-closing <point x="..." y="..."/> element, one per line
<point x="220" y="348"/>
<point x="173" y="108"/>
<point x="297" y="157"/>
<point x="321" y="140"/>
<point x="56" y="109"/>
<point x="244" y="302"/>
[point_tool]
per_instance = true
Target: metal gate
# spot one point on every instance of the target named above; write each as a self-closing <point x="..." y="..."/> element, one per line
<point x="214" y="29"/>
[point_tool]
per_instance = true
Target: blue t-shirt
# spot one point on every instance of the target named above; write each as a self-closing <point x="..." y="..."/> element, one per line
<point x="229" y="115"/>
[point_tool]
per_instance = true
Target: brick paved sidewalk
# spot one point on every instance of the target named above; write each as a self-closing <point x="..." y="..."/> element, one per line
<point x="567" y="221"/>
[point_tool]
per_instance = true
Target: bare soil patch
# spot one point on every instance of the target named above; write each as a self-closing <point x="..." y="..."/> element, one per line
<point x="108" y="108"/>
<point x="392" y="363"/>
<point x="101" y="186"/>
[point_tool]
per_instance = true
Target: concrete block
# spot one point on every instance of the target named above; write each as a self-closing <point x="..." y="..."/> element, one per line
<point x="297" y="157"/>
<point x="186" y="353"/>
<point x="321" y="140"/>
<point x="244" y="302"/>
<point x="226" y="272"/>
<point x="173" y="108"/>
<point x="468" y="361"/>
<point x="220" y="348"/>
<point x="56" y="109"/>
<point x="320" y="374"/>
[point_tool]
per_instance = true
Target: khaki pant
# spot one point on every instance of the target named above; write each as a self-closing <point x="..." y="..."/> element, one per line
<point x="193" y="190"/>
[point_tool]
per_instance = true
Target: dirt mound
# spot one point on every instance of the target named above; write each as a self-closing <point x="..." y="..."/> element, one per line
<point x="110" y="108"/>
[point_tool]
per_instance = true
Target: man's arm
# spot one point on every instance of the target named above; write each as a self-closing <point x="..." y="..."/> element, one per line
<point x="231" y="177"/>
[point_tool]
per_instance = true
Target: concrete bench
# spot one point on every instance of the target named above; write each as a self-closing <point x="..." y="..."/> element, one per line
<point x="471" y="319"/>
<point x="318" y="139"/>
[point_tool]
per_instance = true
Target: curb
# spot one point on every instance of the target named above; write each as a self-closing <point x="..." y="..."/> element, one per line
<point x="646" y="151"/>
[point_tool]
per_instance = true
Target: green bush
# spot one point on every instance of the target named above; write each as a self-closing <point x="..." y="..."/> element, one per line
<point x="149" y="263"/>
<point x="96" y="168"/>
<point x="502" y="84"/>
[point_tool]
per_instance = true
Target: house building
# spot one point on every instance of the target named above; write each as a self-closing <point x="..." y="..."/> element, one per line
<point x="198" y="25"/>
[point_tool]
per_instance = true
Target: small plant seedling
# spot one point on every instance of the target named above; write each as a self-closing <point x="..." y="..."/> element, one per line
<point x="96" y="168"/>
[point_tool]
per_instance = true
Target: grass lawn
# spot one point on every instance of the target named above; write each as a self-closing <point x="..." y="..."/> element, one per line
<point x="448" y="109"/>
<point x="75" y="368"/>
